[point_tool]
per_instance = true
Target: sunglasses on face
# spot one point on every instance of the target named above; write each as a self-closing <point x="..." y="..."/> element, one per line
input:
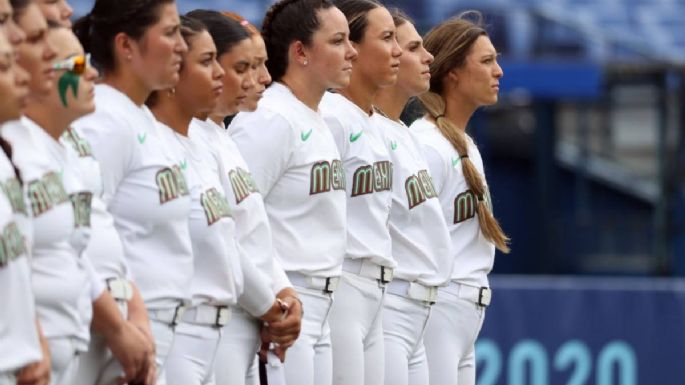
<point x="75" y="64"/>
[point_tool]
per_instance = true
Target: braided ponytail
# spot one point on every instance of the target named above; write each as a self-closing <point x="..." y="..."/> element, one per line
<point x="450" y="43"/>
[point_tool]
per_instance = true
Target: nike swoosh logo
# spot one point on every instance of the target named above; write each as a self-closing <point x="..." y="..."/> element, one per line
<point x="393" y="145"/>
<point x="354" y="137"/>
<point x="142" y="137"/>
<point x="304" y="136"/>
<point x="184" y="164"/>
<point x="455" y="161"/>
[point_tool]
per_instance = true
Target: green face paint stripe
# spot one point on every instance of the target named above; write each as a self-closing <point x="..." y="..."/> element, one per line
<point x="65" y="81"/>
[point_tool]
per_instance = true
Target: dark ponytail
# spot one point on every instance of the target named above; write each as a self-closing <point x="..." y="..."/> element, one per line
<point x="7" y="149"/>
<point x="288" y="21"/>
<point x="97" y="30"/>
<point x="226" y="32"/>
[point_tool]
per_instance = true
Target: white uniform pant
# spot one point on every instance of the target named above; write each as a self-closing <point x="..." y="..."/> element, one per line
<point x="192" y="356"/>
<point x="309" y="360"/>
<point x="450" y="339"/>
<point x="98" y="366"/>
<point x="64" y="357"/>
<point x="404" y="323"/>
<point x="236" y="359"/>
<point x="164" y="340"/>
<point x="357" y="331"/>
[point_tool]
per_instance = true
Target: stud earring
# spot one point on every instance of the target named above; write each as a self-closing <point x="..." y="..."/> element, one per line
<point x="305" y="62"/>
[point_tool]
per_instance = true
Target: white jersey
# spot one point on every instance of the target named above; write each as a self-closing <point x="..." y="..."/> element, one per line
<point x="146" y="193"/>
<point x="296" y="166"/>
<point x="473" y="254"/>
<point x="252" y="228"/>
<point x="104" y="250"/>
<point x="19" y="344"/>
<point x="369" y="172"/>
<point x="63" y="282"/>
<point x="420" y="240"/>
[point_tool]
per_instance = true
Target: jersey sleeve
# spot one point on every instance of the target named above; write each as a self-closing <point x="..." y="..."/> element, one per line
<point x="280" y="280"/>
<point x="436" y="166"/>
<point x="257" y="296"/>
<point x="265" y="141"/>
<point x="97" y="284"/>
<point x="113" y="146"/>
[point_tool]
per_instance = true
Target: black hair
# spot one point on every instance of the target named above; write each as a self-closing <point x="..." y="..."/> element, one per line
<point x="97" y="30"/>
<point x="7" y="149"/>
<point x="225" y="31"/>
<point x="191" y="27"/>
<point x="356" y="12"/>
<point x="286" y="22"/>
<point x="19" y="6"/>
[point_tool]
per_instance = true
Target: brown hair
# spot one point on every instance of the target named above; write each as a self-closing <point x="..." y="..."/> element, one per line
<point x="450" y="43"/>
<point x="356" y="12"/>
<point x="399" y="17"/>
<point x="288" y="21"/>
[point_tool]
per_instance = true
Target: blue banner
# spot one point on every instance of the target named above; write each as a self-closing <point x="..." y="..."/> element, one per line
<point x="583" y="331"/>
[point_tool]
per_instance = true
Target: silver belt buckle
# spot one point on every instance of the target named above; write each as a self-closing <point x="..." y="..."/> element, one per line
<point x="484" y="296"/>
<point x="223" y="315"/>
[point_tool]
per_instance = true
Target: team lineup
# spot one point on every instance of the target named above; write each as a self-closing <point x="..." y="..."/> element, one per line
<point x="188" y="199"/>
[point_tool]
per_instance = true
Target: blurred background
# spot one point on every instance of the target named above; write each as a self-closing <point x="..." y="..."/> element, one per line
<point x="584" y="154"/>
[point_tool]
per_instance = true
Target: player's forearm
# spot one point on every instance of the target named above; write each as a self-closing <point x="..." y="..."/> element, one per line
<point x="107" y="318"/>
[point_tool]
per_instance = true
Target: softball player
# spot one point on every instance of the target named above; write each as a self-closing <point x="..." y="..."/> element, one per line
<point x="219" y="274"/>
<point x="143" y="188"/>
<point x="420" y="240"/>
<point x="60" y="279"/>
<point x="240" y="341"/>
<point x="58" y="11"/>
<point x="48" y="116"/>
<point x="20" y="345"/>
<point x="296" y="165"/>
<point x="356" y="329"/>
<point x="103" y="249"/>
<point x="464" y="76"/>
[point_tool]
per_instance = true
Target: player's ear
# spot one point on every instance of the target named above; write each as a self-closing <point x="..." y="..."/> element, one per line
<point x="453" y="76"/>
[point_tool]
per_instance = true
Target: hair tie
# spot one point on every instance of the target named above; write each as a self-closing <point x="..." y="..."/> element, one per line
<point x="481" y="198"/>
<point x="463" y="157"/>
<point x="439" y="116"/>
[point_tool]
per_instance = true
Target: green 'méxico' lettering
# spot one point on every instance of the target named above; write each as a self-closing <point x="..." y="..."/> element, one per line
<point x="81" y="203"/>
<point x="464" y="206"/>
<point x="382" y="175"/>
<point x="363" y="181"/>
<point x="12" y="189"/>
<point x="242" y="183"/>
<point x="427" y="184"/>
<point x="215" y="206"/>
<point x="338" y="175"/>
<point x="80" y="145"/>
<point x="320" y="178"/>
<point x="12" y="244"/>
<point x="45" y="193"/>
<point x="171" y="184"/>
<point x="414" y="194"/>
